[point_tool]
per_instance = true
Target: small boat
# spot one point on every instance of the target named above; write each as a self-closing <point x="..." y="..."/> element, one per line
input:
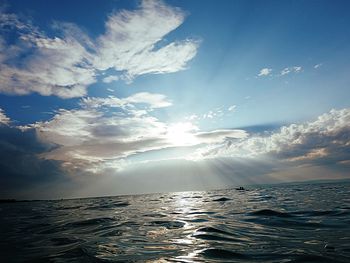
<point x="240" y="188"/>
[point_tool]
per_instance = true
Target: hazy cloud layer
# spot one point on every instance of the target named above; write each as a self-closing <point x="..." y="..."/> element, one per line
<point x="152" y="100"/>
<point x="65" y="65"/>
<point x="104" y="131"/>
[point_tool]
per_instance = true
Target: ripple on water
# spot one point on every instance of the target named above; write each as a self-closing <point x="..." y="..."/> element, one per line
<point x="314" y="259"/>
<point x="269" y="212"/>
<point x="212" y="230"/>
<point x="167" y="224"/>
<point x="222" y="254"/>
<point x="91" y="222"/>
<point x="222" y="199"/>
<point x="62" y="241"/>
<point x="211" y="233"/>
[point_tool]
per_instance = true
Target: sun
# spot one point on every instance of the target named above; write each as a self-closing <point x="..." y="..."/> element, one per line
<point x="182" y="134"/>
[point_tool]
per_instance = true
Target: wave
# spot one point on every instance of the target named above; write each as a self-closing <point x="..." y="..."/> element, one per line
<point x="167" y="224"/>
<point x="222" y="199"/>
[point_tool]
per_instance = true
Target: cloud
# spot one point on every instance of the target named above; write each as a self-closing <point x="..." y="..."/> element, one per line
<point x="217" y="136"/>
<point x="110" y="79"/>
<point x="323" y="141"/>
<point x="91" y="138"/>
<point x="232" y="108"/>
<point x="192" y="117"/>
<point x="22" y="171"/>
<point x="152" y="100"/>
<point x="295" y="69"/>
<point x="129" y="44"/>
<point x="265" y="72"/>
<point x="49" y="66"/>
<point x="4" y="120"/>
<point x="66" y="64"/>
<point x="213" y="114"/>
<point x="318" y="65"/>
<point x="101" y="139"/>
<point x="105" y="131"/>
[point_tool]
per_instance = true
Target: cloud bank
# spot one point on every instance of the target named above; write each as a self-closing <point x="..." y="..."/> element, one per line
<point x="22" y="170"/>
<point x="323" y="141"/>
<point x="94" y="144"/>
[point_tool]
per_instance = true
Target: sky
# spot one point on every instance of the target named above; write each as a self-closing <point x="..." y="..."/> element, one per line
<point x="122" y="97"/>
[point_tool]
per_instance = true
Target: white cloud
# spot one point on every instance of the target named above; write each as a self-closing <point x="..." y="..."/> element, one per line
<point x="326" y="137"/>
<point x="217" y="136"/>
<point x="66" y="64"/>
<point x="265" y="72"/>
<point x="91" y="137"/>
<point x="110" y="79"/>
<point x="213" y="115"/>
<point x="285" y="71"/>
<point x="232" y="108"/>
<point x="3" y="118"/>
<point x="295" y="69"/>
<point x="192" y="117"/>
<point x="106" y="130"/>
<point x="318" y="65"/>
<point x="129" y="42"/>
<point x="52" y="66"/>
<point x="152" y="100"/>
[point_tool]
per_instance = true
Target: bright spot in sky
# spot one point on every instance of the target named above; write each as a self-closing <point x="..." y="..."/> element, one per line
<point x="182" y="134"/>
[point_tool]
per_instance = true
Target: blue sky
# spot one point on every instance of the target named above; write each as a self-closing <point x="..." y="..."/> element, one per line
<point x="119" y="90"/>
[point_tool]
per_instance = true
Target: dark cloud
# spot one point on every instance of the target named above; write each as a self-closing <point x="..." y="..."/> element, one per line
<point x="21" y="169"/>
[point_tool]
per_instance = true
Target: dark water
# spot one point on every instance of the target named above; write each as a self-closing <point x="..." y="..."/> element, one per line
<point x="291" y="223"/>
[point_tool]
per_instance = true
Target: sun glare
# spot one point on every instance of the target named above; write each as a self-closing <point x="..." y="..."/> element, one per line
<point x="182" y="134"/>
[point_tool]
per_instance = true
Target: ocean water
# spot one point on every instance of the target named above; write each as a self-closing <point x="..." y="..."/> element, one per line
<point x="283" y="223"/>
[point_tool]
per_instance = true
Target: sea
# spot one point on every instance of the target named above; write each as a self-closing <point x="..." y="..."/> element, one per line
<point x="307" y="222"/>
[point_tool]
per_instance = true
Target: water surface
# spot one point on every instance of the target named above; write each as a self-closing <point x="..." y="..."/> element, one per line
<point x="284" y="223"/>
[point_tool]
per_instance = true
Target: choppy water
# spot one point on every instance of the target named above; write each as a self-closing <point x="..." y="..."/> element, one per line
<point x="290" y="223"/>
